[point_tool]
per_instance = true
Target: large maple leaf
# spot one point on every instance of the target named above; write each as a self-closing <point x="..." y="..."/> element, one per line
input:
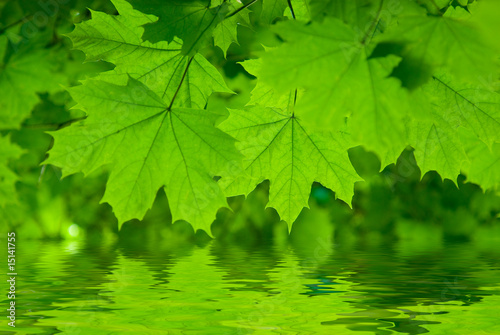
<point x="146" y="121"/>
<point x="148" y="145"/>
<point x="279" y="147"/>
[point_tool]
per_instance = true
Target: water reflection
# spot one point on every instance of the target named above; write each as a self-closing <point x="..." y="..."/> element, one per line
<point x="73" y="288"/>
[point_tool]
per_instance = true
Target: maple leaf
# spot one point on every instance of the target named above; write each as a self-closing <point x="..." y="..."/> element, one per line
<point x="467" y="104"/>
<point x="263" y="94"/>
<point x="148" y="145"/>
<point x="451" y="41"/>
<point x="484" y="167"/>
<point x="146" y="120"/>
<point x="355" y="12"/>
<point x="193" y="21"/>
<point x="272" y="9"/>
<point x="448" y="108"/>
<point x="117" y="39"/>
<point x="437" y="146"/>
<point x="226" y="32"/>
<point x="279" y="147"/>
<point x="331" y="62"/>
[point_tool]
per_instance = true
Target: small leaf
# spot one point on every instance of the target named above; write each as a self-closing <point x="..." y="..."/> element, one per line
<point x="226" y="32"/>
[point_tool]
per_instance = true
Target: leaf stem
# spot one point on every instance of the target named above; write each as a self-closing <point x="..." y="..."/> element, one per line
<point x="291" y="8"/>
<point x="197" y="40"/>
<point x="240" y="9"/>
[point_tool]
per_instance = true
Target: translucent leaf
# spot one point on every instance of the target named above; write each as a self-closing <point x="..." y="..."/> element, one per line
<point x="468" y="105"/>
<point x="117" y="39"/>
<point x="226" y="32"/>
<point x="279" y="147"/>
<point x="272" y="9"/>
<point x="147" y="145"/>
<point x="330" y="62"/>
<point x="193" y="21"/>
<point x="451" y="41"/>
<point x="147" y="122"/>
<point x="484" y="167"/>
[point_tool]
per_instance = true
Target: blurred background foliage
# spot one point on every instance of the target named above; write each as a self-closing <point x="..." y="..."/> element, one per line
<point x="393" y="203"/>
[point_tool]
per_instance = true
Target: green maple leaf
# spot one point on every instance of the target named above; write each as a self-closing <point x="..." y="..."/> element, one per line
<point x="160" y="66"/>
<point x="363" y="16"/>
<point x="8" y="178"/>
<point x="448" y="108"/>
<point x="263" y="94"/>
<point x="485" y="166"/>
<point x="147" y="145"/>
<point x="331" y="62"/>
<point x="272" y="9"/>
<point x="23" y="74"/>
<point x="146" y="121"/>
<point x="437" y="146"/>
<point x="193" y="21"/>
<point x="484" y="161"/>
<point x="354" y="12"/>
<point x="451" y="41"/>
<point x="468" y="105"/>
<point x="226" y="32"/>
<point x="279" y="147"/>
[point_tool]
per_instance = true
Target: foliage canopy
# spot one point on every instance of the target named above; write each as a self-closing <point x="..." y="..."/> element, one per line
<point x="330" y="75"/>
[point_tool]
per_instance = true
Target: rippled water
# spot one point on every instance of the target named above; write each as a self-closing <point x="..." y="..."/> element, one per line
<point x="72" y="288"/>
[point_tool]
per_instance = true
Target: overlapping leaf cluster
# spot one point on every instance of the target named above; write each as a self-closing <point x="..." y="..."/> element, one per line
<point x="383" y="74"/>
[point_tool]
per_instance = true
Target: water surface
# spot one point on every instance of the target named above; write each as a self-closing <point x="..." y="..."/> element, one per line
<point x="74" y="288"/>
